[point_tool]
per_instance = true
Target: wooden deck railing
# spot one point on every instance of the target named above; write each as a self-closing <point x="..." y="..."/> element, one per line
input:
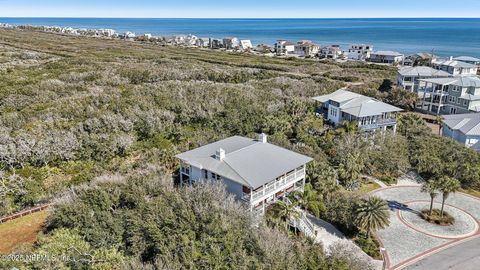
<point x="24" y="213"/>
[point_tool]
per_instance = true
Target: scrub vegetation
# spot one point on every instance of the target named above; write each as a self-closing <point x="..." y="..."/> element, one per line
<point x="93" y="125"/>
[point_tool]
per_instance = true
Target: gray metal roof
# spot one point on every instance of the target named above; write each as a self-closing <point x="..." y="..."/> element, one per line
<point x="468" y="124"/>
<point x="387" y="53"/>
<point x="466" y="58"/>
<point x="247" y="161"/>
<point x="422" y="71"/>
<point x="472" y="81"/>
<point x="454" y="63"/>
<point x="356" y="104"/>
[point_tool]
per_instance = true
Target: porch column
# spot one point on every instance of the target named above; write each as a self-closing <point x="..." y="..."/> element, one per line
<point x="440" y="102"/>
<point x="181" y="175"/>
<point x="304" y="177"/>
<point x="424" y="94"/>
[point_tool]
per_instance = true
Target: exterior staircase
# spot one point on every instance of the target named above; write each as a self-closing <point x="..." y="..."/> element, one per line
<point x="302" y="223"/>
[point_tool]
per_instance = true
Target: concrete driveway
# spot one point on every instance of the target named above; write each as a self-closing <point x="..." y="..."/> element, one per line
<point x="464" y="256"/>
<point x="409" y="239"/>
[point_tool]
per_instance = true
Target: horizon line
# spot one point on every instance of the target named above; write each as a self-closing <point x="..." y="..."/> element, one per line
<point x="223" y="18"/>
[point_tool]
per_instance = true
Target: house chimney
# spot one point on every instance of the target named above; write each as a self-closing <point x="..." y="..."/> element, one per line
<point x="220" y="154"/>
<point x="451" y="58"/>
<point x="262" y="138"/>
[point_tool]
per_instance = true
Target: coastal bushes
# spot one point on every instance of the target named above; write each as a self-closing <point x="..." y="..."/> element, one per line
<point x="145" y="221"/>
<point x="101" y="117"/>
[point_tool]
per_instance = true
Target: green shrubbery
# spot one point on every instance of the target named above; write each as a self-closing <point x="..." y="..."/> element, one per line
<point x="97" y="111"/>
<point x="369" y="245"/>
<point x="437" y="217"/>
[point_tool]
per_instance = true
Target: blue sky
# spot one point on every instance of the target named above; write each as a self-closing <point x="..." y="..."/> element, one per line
<point x="240" y="8"/>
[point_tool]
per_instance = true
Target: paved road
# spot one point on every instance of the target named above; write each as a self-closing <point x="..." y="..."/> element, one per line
<point x="465" y="256"/>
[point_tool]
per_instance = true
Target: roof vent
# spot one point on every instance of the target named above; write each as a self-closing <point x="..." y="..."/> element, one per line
<point x="220" y="154"/>
<point x="262" y="138"/>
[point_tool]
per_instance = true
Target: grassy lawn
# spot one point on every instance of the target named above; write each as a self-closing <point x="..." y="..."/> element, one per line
<point x="369" y="186"/>
<point x="472" y="192"/>
<point x="21" y="231"/>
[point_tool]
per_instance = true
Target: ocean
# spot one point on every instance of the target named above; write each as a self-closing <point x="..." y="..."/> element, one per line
<point x="445" y="36"/>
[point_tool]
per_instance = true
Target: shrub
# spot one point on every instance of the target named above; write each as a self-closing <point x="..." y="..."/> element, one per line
<point x="369" y="245"/>
<point x="436" y="218"/>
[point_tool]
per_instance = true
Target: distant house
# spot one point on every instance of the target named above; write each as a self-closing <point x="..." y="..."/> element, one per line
<point x="216" y="43"/>
<point x="263" y="48"/>
<point x="246" y="45"/>
<point x="127" y="35"/>
<point x="360" y="51"/>
<point x="253" y="170"/>
<point x="456" y="68"/>
<point x="231" y="43"/>
<point x="331" y="52"/>
<point x="306" y="48"/>
<point x="464" y="128"/>
<point x="455" y="95"/>
<point x="421" y="58"/>
<point x="202" y="42"/>
<point x="370" y="114"/>
<point x="387" y="57"/>
<point x="283" y="47"/>
<point x="468" y="59"/>
<point x="408" y="77"/>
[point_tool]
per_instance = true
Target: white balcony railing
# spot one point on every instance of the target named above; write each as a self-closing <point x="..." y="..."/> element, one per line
<point x="274" y="186"/>
<point x="379" y="123"/>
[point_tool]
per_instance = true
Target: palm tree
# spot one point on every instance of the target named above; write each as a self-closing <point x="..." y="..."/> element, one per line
<point x="447" y="185"/>
<point x="350" y="126"/>
<point x="309" y="200"/>
<point x="430" y="187"/>
<point x="349" y="169"/>
<point x="411" y="125"/>
<point x="372" y="214"/>
<point x="285" y="211"/>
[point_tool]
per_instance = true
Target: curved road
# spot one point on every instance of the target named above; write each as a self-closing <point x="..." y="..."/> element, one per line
<point x="465" y="256"/>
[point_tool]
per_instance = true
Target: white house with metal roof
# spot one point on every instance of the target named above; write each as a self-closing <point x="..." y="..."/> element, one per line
<point x="464" y="128"/>
<point x="359" y="51"/>
<point x="255" y="171"/>
<point x="370" y="114"/>
<point x="408" y="77"/>
<point x="455" y="67"/>
<point x="387" y="57"/>
<point x="456" y="95"/>
<point x="283" y="47"/>
<point x="468" y="59"/>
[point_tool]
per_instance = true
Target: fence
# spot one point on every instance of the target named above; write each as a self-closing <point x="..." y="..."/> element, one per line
<point x="24" y="213"/>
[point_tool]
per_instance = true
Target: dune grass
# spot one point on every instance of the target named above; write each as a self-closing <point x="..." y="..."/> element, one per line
<point x="368" y="187"/>
<point x="23" y="230"/>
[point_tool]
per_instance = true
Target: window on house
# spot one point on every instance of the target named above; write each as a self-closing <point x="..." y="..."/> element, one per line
<point x="205" y="174"/>
<point x="213" y="175"/>
<point x="465" y="102"/>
